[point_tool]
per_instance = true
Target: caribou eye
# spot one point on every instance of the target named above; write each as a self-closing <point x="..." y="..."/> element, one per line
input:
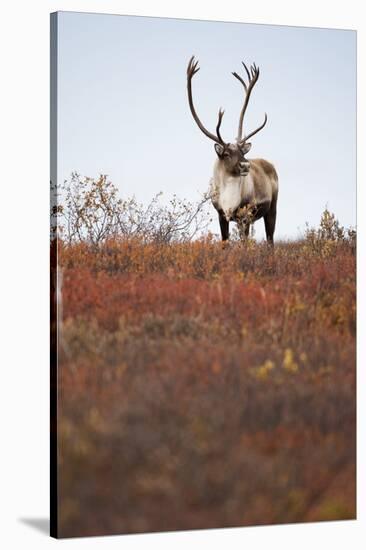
<point x="226" y="155"/>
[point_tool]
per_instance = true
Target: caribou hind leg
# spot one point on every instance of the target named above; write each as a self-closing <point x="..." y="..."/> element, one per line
<point x="270" y="222"/>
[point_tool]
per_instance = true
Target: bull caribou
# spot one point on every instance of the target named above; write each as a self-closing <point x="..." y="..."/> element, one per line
<point x="242" y="190"/>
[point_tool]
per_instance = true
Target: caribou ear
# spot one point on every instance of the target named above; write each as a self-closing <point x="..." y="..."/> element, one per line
<point x="219" y="149"/>
<point x="246" y="148"/>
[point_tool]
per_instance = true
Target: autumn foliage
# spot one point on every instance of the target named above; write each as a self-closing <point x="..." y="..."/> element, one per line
<point x="206" y="387"/>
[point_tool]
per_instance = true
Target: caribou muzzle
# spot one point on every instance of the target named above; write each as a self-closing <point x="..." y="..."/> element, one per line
<point x="244" y="167"/>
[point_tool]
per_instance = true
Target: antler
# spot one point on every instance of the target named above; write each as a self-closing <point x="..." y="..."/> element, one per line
<point x="192" y="69"/>
<point x="252" y="75"/>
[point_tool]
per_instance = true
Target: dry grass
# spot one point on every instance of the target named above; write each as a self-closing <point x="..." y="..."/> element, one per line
<point x="202" y="387"/>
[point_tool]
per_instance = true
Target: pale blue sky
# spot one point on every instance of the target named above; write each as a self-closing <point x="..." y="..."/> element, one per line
<point x="123" y="108"/>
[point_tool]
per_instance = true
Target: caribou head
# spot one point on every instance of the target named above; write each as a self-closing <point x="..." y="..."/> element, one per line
<point x="232" y="155"/>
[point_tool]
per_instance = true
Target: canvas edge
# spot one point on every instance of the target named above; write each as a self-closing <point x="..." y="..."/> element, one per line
<point x="53" y="281"/>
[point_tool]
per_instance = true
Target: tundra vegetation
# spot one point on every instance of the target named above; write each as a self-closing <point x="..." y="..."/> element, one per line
<point x="199" y="386"/>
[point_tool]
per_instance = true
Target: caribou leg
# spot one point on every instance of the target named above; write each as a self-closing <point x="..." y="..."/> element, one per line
<point x="244" y="228"/>
<point x="224" y="226"/>
<point x="270" y="223"/>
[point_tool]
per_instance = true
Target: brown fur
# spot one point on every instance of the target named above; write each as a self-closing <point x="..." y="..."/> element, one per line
<point x="267" y="167"/>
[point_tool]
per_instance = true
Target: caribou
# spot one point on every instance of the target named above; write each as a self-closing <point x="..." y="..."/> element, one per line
<point x="241" y="190"/>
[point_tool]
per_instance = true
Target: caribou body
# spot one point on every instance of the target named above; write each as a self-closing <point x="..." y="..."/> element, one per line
<point x="242" y="190"/>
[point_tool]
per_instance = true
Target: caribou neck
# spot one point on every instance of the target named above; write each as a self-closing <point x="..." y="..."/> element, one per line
<point x="229" y="191"/>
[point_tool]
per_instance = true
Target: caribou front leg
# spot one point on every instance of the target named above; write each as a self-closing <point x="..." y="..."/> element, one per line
<point x="224" y="226"/>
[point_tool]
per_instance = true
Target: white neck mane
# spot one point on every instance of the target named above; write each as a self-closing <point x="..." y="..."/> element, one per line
<point x="227" y="191"/>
